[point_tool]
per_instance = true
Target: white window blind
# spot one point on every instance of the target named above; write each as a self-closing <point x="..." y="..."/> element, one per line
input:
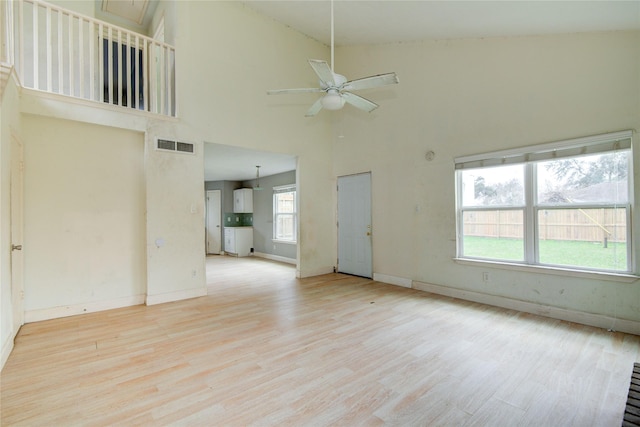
<point x="555" y="150"/>
<point x="284" y="189"/>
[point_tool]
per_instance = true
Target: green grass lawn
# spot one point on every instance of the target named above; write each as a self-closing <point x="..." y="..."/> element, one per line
<point x="554" y="252"/>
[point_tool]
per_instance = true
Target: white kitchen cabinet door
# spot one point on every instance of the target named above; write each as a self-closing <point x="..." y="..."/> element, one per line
<point x="243" y="200"/>
<point x="238" y="241"/>
<point x="244" y="241"/>
<point x="229" y="240"/>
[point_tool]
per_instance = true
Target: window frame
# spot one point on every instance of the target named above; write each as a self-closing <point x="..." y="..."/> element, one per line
<point x="283" y="189"/>
<point x="530" y="158"/>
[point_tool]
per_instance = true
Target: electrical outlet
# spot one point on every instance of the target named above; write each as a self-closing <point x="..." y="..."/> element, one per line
<point x="485" y="276"/>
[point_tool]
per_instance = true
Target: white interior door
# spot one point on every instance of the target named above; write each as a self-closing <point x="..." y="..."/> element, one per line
<point x="354" y="225"/>
<point x="214" y="230"/>
<point x="17" y="261"/>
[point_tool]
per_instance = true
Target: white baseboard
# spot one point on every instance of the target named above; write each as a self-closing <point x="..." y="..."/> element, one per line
<point x="316" y="272"/>
<point x="275" y="257"/>
<point x="176" y="296"/>
<point x="90" y="307"/>
<point x="392" y="280"/>
<point x="7" y="348"/>
<point x="597" y="320"/>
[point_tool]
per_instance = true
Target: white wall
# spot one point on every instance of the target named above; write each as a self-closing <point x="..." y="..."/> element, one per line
<point x="9" y="122"/>
<point x="462" y="97"/>
<point x="84" y="215"/>
<point x="175" y="217"/>
<point x="229" y="56"/>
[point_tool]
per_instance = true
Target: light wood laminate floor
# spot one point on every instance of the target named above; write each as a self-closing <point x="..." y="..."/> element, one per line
<point x="264" y="348"/>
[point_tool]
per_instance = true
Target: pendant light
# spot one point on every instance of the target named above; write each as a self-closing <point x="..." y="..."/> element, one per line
<point x="257" y="187"/>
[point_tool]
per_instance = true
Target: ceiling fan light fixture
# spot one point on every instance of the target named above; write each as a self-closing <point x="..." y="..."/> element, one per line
<point x="338" y="90"/>
<point x="332" y="101"/>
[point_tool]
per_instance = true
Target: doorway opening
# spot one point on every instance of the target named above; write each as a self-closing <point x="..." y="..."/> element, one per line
<point x="231" y="172"/>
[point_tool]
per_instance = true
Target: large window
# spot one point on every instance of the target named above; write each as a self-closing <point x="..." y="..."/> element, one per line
<point x="284" y="213"/>
<point x="565" y="204"/>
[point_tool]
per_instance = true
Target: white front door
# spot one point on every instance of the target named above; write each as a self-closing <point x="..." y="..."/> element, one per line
<point x="214" y="231"/>
<point x="17" y="261"/>
<point x="354" y="225"/>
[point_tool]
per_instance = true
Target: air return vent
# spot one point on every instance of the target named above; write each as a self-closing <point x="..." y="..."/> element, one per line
<point x="168" y="145"/>
<point x="164" y="144"/>
<point x="185" y="147"/>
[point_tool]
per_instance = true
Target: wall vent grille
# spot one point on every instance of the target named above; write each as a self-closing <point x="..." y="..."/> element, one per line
<point x="185" y="147"/>
<point x="164" y="144"/>
<point x="176" y="146"/>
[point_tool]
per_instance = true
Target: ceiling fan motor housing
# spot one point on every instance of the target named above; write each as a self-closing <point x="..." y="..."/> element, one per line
<point x="338" y="80"/>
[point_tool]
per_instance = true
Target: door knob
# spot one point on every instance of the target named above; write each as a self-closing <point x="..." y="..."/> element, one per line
<point x="16" y="247"/>
<point x="368" y="233"/>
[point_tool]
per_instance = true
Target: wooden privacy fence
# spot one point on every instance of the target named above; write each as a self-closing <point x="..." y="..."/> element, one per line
<point x="590" y="225"/>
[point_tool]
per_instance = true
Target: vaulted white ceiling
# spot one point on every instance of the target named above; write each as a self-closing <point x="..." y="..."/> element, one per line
<point x="388" y="21"/>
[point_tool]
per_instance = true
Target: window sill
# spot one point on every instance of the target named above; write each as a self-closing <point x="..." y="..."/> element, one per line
<point x="287" y="242"/>
<point x="613" y="277"/>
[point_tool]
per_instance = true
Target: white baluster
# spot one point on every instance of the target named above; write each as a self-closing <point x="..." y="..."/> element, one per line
<point x="49" y="48"/>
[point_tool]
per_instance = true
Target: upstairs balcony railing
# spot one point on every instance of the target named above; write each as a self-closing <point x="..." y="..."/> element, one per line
<point x="59" y="51"/>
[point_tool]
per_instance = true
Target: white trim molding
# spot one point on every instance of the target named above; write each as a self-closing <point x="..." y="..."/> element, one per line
<point x="392" y="280"/>
<point x="590" y="319"/>
<point x="7" y="348"/>
<point x="75" y="309"/>
<point x="314" y="272"/>
<point x="275" y="257"/>
<point x="176" y="296"/>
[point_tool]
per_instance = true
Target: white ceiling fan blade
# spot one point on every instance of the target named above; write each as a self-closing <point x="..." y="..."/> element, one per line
<point x="372" y="81"/>
<point x="289" y="91"/>
<point x="323" y="71"/>
<point x="315" y="108"/>
<point x="359" y="102"/>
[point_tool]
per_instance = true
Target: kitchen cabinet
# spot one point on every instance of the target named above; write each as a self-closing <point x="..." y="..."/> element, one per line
<point x="238" y="241"/>
<point x="243" y="200"/>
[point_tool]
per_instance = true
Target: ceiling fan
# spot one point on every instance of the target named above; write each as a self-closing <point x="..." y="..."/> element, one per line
<point x="337" y="88"/>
